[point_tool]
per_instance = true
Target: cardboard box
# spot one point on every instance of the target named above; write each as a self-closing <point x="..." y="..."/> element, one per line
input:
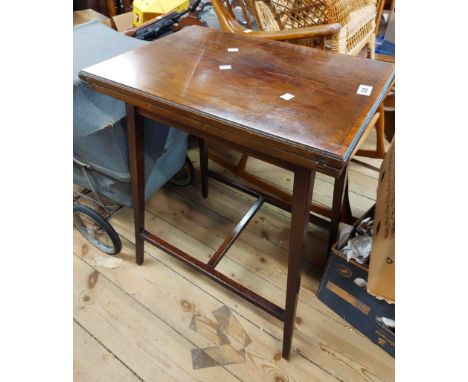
<point x="382" y="258"/>
<point x="123" y="22"/>
<point x="80" y="17"/>
<point x="352" y="302"/>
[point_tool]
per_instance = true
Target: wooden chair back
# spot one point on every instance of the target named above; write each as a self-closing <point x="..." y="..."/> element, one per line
<point x="277" y="15"/>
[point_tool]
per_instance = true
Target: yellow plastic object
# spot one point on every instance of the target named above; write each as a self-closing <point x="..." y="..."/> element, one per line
<point x="144" y="10"/>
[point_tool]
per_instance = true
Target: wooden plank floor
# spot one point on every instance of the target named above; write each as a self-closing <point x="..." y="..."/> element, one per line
<point x="164" y="322"/>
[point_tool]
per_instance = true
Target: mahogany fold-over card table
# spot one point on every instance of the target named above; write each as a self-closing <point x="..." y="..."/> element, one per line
<point x="299" y="108"/>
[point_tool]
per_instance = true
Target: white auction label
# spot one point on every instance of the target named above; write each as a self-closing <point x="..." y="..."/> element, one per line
<point x="225" y="67"/>
<point x="233" y="49"/>
<point x="287" y="96"/>
<point x="364" y="90"/>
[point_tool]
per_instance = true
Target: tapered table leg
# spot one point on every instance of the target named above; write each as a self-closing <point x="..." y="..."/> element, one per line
<point x="203" y="166"/>
<point x="346" y="213"/>
<point x="338" y="196"/>
<point x="302" y="199"/>
<point x="380" y="127"/>
<point x="137" y="173"/>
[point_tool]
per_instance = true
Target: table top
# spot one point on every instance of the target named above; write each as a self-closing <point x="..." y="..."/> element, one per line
<point x="182" y="75"/>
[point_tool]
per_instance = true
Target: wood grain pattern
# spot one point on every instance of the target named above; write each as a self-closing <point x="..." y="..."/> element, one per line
<point x="170" y="310"/>
<point x="161" y="304"/>
<point x="324" y="120"/>
<point x="258" y="259"/>
<point x="362" y="180"/>
<point x="94" y="363"/>
<point x="133" y="333"/>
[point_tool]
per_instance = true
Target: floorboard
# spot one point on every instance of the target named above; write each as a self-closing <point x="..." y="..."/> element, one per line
<point x="164" y="322"/>
<point x="94" y="363"/>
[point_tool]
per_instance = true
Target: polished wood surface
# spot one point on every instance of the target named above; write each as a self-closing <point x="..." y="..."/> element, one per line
<point x="136" y="153"/>
<point x="321" y="124"/>
<point x="303" y="186"/>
